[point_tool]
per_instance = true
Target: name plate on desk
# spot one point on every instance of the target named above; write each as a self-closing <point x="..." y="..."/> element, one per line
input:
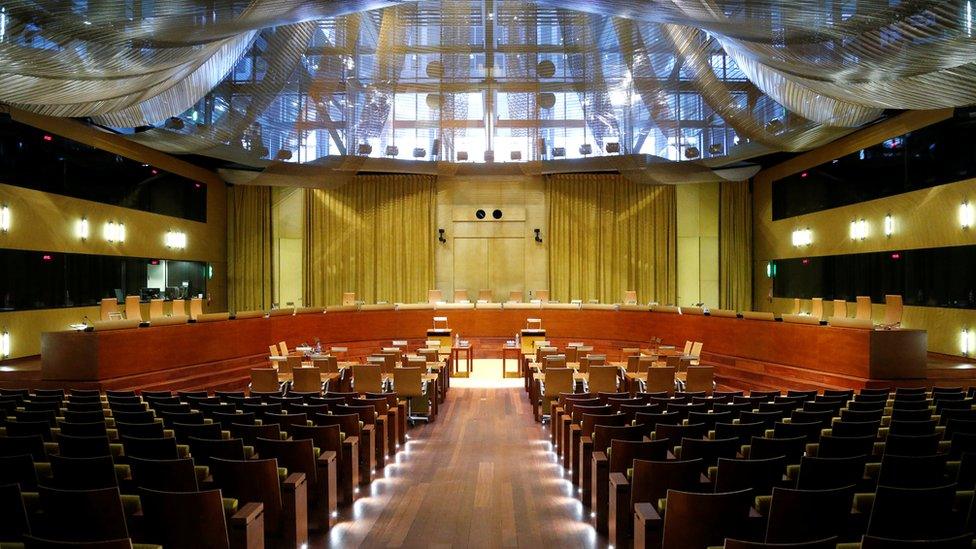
<point x="533" y="332"/>
<point x="439" y="332"/>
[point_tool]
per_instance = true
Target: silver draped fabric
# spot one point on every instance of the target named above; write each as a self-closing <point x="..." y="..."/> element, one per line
<point x="256" y="81"/>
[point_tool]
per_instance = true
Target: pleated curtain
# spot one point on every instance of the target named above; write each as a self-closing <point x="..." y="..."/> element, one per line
<point x="374" y="236"/>
<point x="608" y="235"/>
<point x="735" y="246"/>
<point x="249" y="279"/>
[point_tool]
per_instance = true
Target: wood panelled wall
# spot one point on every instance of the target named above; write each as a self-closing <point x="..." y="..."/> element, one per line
<point x="923" y="219"/>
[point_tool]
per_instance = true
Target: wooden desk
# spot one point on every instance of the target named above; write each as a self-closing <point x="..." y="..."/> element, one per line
<point x="750" y="351"/>
<point x="468" y="352"/>
<point x="517" y="351"/>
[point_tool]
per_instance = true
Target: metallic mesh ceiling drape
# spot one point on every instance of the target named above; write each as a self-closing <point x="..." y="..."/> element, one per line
<point x="320" y="84"/>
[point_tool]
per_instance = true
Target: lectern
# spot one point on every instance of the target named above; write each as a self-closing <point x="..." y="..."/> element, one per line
<point x="441" y="332"/>
<point x="532" y="333"/>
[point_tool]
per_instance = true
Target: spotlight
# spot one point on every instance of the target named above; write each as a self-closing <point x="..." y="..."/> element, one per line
<point x="4" y="218"/>
<point x="558" y="152"/>
<point x="462" y="156"/>
<point x="516" y="155"/>
<point x="81" y="228"/>
<point x="585" y="149"/>
<point x="283" y="155"/>
<point x="364" y="149"/>
<point x="716" y="149"/>
<point x="174" y="123"/>
<point x="889" y="225"/>
<point x="692" y="152"/>
<point x="489" y="156"/>
<point x="392" y="150"/>
<point x="612" y="148"/>
<point x="419" y="152"/>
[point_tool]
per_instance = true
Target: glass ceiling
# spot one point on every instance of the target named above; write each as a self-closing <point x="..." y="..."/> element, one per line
<point x="328" y="82"/>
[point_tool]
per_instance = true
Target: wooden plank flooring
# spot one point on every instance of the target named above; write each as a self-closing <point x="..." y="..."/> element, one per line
<point x="482" y="475"/>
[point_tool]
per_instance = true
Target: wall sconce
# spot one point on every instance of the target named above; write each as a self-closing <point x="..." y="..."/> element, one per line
<point x="967" y="342"/>
<point x="889" y="225"/>
<point x="175" y="239"/>
<point x="802" y="237"/>
<point x="859" y="229"/>
<point x="966" y="215"/>
<point x="440" y="236"/>
<point x="4" y="344"/>
<point x="4" y="218"/>
<point x="114" y="232"/>
<point x="538" y="236"/>
<point x="81" y="228"/>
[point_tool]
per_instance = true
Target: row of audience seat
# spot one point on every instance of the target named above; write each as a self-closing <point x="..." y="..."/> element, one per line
<point x="191" y="469"/>
<point x="880" y="467"/>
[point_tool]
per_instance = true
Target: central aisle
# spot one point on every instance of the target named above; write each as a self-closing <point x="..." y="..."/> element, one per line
<point x="481" y="475"/>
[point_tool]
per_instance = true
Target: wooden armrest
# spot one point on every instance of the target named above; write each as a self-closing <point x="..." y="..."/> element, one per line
<point x="294" y="482"/>
<point x="351" y="441"/>
<point x="618" y="479"/>
<point x="599" y="457"/>
<point x="295" y="506"/>
<point x="326" y="456"/>
<point x="246" y="527"/>
<point x="646" y="512"/>
<point x="246" y="515"/>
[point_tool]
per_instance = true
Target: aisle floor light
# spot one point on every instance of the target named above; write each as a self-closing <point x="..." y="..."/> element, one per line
<point x="966" y="215"/>
<point x="967" y="342"/>
<point x="81" y="228"/>
<point x="802" y="237"/>
<point x="175" y="239"/>
<point x="4" y="218"/>
<point x="889" y="225"/>
<point x="859" y="229"/>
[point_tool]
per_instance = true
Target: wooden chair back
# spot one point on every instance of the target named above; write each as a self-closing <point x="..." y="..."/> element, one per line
<point x="660" y="380"/>
<point x="187" y="519"/>
<point x="298" y="456"/>
<point x="367" y="378"/>
<point x="460" y="296"/>
<point x="633" y="363"/>
<point x="273" y="350"/>
<point x="625" y="449"/>
<point x="816" y="308"/>
<point x="687" y="349"/>
<point x="196" y="307"/>
<point x="516" y="296"/>
<point x="326" y="364"/>
<point x="863" y="310"/>
<point x="408" y="382"/>
<point x="485" y="295"/>
<point x="553" y="361"/>
<point x="700" y="379"/>
<point x="893" y="310"/>
<point x="83" y="515"/>
<point x="696" y="349"/>
<point x="542" y="295"/>
<point x="289" y="365"/>
<point x="630" y="297"/>
<point x="434" y="296"/>
<point x="283" y="348"/>
<point x="253" y="480"/>
<point x="840" y="308"/>
<point x="307" y="380"/>
<point x="572" y="354"/>
<point x="348" y="299"/>
<point x="264" y="380"/>
<point x="155" y="309"/>
<point x="596" y="360"/>
<point x="177" y="308"/>
<point x="558" y="380"/>
<point x="170" y="475"/>
<point x="702" y="520"/>
<point x="108" y="308"/>
<point x="132" y="309"/>
<point x="602" y="379"/>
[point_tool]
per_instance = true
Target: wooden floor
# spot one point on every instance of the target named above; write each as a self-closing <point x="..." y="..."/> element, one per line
<point x="480" y="476"/>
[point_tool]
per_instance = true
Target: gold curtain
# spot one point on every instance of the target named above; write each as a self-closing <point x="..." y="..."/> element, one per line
<point x="735" y="246"/>
<point x="608" y="235"/>
<point x="249" y="248"/>
<point x="374" y="236"/>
